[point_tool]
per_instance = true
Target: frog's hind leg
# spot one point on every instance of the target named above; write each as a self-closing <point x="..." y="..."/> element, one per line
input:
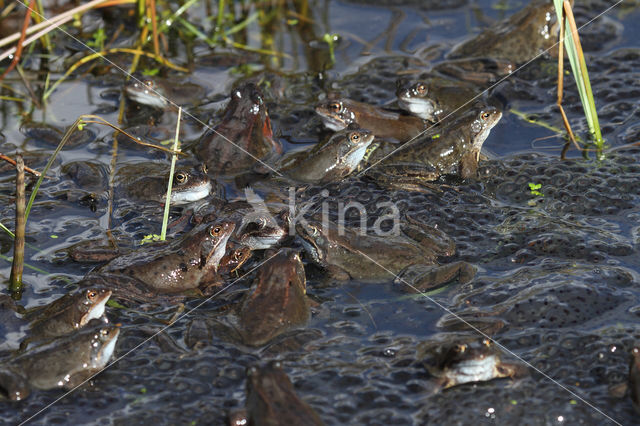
<point x="418" y="278"/>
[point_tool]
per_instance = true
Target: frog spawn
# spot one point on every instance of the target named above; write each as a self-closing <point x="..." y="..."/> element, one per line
<point x="465" y="231"/>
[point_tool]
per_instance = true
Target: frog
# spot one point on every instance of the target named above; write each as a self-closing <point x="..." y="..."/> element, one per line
<point x="331" y="160"/>
<point x="632" y="385"/>
<point x="242" y="138"/>
<point x="409" y="258"/>
<point x="273" y="308"/>
<point x="64" y="363"/>
<point x="432" y="98"/>
<point x="90" y="181"/>
<point x="236" y="255"/>
<point x="145" y="183"/>
<point x="263" y="230"/>
<point x="161" y="93"/>
<point x="338" y="113"/>
<point x="634" y="377"/>
<point x="276" y="302"/>
<point x="453" y="149"/>
<point x="272" y="400"/>
<point x="519" y="38"/>
<point x="68" y="313"/>
<point x="258" y="226"/>
<point x="188" y="263"/>
<point x="460" y="360"/>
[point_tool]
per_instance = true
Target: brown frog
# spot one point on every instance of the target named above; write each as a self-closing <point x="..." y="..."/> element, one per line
<point x="188" y="263"/>
<point x="331" y="160"/>
<point x="337" y="114"/>
<point x="65" y="363"/>
<point x="452" y="149"/>
<point x="276" y="302"/>
<point x="632" y="385"/>
<point x="348" y="254"/>
<point x="433" y="98"/>
<point x="459" y="361"/>
<point x="518" y="39"/>
<point x="272" y="400"/>
<point x="243" y="137"/>
<point x="68" y="313"/>
<point x="144" y="183"/>
<point x="161" y="93"/>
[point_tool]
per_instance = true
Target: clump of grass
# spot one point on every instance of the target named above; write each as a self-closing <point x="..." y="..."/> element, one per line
<point x="571" y="41"/>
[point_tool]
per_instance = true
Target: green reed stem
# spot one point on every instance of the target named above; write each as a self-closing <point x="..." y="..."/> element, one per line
<point x="167" y="203"/>
<point x="580" y="73"/>
<point x="7" y="230"/>
<point x="64" y="140"/>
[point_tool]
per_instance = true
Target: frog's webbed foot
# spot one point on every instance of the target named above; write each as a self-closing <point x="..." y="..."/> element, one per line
<point x="291" y="341"/>
<point x="618" y="390"/>
<point x="428" y="277"/>
<point x="199" y="333"/>
<point x="13" y="386"/>
<point x="428" y="237"/>
<point x="337" y="273"/>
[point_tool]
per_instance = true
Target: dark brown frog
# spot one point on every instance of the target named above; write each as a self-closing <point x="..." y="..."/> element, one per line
<point x="338" y="113"/>
<point x="272" y="400"/>
<point x="411" y="262"/>
<point x="188" y="263"/>
<point x="242" y="138"/>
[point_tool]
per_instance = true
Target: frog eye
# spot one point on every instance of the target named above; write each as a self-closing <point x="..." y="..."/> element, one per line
<point x="181" y="177"/>
<point x="354" y="137"/>
<point x="149" y="83"/>
<point x="485" y="115"/>
<point x="204" y="168"/>
<point x="460" y="348"/>
<point x="335" y="107"/>
<point x="92" y="295"/>
<point x="214" y="231"/>
<point x="238" y="255"/>
<point x="421" y="89"/>
<point x="104" y="332"/>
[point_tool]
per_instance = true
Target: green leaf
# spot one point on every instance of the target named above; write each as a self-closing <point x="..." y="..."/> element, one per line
<point x="150" y="238"/>
<point x="151" y="72"/>
<point x="113" y="304"/>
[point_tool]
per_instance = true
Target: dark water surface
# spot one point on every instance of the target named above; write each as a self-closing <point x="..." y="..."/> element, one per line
<point x="561" y="271"/>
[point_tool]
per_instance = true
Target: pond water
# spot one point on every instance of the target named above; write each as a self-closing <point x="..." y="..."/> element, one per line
<point x="558" y="274"/>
